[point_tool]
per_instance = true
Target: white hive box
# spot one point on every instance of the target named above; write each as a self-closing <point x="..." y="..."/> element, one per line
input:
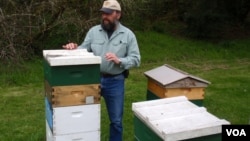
<point x="174" y="119"/>
<point x="73" y="119"/>
<point x="82" y="136"/>
<point x="70" y="57"/>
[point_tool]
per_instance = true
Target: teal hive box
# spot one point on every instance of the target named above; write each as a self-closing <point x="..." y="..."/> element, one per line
<point x="71" y="67"/>
<point x="172" y="119"/>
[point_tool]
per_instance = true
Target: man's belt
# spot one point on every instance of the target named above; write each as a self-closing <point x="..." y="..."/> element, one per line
<point x="125" y="73"/>
<point x="109" y="75"/>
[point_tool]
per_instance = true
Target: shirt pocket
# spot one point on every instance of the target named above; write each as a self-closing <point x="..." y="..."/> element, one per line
<point x="97" y="46"/>
<point x="120" y="48"/>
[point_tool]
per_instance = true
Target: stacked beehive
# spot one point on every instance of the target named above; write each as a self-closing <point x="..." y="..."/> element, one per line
<point x="72" y="95"/>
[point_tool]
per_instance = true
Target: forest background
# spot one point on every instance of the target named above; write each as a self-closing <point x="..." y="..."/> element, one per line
<point x="30" y="26"/>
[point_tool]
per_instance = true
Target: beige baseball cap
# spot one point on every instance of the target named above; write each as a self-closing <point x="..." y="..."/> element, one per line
<point x="110" y="5"/>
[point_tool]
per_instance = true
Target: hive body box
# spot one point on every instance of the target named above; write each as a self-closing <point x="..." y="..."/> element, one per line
<point x="71" y="67"/>
<point x="73" y="119"/>
<point x="176" y="118"/>
<point x="83" y="136"/>
<point x="166" y="81"/>
<point x="72" y="95"/>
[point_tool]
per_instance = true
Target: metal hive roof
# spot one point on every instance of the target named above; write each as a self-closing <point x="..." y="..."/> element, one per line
<point x="167" y="74"/>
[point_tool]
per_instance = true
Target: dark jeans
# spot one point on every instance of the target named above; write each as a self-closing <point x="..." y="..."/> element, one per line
<point x="112" y="90"/>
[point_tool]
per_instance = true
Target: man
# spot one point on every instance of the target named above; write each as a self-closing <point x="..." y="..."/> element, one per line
<point x="118" y="48"/>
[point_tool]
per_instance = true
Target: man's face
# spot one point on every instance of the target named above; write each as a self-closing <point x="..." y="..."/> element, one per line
<point x="109" y="20"/>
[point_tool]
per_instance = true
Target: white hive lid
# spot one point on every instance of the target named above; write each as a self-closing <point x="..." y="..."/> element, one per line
<point x="62" y="57"/>
<point x="176" y="118"/>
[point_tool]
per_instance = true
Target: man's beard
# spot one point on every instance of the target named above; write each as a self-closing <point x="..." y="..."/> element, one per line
<point x="108" y="27"/>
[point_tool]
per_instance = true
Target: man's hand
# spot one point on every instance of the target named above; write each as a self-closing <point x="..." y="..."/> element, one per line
<point x="70" y="46"/>
<point x="112" y="57"/>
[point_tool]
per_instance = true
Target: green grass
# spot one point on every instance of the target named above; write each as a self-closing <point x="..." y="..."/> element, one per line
<point x="226" y="65"/>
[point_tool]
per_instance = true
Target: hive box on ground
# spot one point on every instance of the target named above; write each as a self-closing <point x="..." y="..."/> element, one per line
<point x="176" y="118"/>
<point x="61" y="96"/>
<point x="71" y="67"/>
<point x="79" y="136"/>
<point x="166" y="81"/>
<point x="73" y="119"/>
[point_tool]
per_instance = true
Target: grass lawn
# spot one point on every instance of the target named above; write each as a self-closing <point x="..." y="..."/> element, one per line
<point x="226" y="65"/>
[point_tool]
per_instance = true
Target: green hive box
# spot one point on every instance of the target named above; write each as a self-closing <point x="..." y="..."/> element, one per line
<point x="144" y="133"/>
<point x="67" y="67"/>
<point x="152" y="96"/>
<point x="172" y="119"/>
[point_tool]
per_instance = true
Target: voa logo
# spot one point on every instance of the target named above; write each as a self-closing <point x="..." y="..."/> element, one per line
<point x="236" y="132"/>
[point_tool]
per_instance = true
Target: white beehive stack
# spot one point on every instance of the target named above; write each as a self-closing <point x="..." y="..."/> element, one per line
<point x="72" y="95"/>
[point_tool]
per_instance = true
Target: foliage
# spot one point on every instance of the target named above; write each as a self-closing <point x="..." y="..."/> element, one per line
<point x="209" y="19"/>
<point x="29" y="26"/>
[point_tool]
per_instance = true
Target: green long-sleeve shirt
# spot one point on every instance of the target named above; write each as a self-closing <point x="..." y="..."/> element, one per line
<point x="122" y="42"/>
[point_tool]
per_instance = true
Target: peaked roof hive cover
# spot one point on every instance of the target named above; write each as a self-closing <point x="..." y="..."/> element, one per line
<point x="167" y="74"/>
